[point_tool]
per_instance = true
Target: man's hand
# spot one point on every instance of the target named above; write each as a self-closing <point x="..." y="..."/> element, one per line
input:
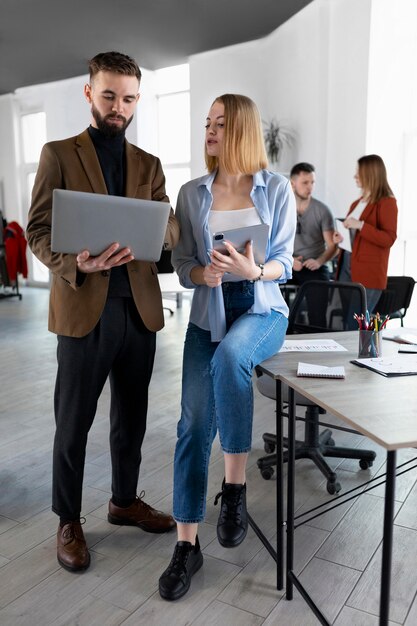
<point x="111" y="257"/>
<point x="312" y="264"/>
<point x="297" y="263"/>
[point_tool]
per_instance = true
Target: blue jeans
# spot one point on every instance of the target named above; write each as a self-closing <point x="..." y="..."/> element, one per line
<point x="217" y="394"/>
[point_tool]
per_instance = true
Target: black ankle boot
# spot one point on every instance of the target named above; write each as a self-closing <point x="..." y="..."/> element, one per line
<point x="186" y="561"/>
<point x="233" y="519"/>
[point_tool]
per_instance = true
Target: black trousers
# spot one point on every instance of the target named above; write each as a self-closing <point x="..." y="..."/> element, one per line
<point x="119" y="347"/>
<point x="317" y="306"/>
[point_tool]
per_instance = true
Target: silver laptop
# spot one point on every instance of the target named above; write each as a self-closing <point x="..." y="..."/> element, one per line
<point x="92" y="221"/>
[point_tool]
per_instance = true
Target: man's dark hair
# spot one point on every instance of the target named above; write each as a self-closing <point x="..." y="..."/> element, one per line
<point x="114" y="62"/>
<point x="302" y="167"/>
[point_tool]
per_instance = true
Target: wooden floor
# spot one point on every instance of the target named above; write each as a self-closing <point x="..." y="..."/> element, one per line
<point x="338" y="555"/>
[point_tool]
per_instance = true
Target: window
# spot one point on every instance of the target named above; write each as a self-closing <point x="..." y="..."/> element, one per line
<point x="33" y="133"/>
<point x="173" y="89"/>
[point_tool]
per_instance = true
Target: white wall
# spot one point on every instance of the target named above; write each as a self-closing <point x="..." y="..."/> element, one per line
<point x="392" y="115"/>
<point x="347" y="97"/>
<point x="331" y="73"/>
<point x="311" y="75"/>
<point x="235" y="69"/>
<point x="10" y="194"/>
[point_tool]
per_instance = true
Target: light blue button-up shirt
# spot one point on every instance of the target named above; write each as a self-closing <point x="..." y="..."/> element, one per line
<point x="274" y="200"/>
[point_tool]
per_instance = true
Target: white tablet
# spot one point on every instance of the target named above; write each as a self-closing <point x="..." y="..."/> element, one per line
<point x="238" y="237"/>
<point x="93" y="221"/>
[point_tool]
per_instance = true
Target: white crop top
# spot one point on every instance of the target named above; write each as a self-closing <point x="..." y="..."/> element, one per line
<point x="226" y="220"/>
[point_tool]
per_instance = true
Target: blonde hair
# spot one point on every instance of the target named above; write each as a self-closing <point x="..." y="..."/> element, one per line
<point x="373" y="177"/>
<point x="243" y="149"/>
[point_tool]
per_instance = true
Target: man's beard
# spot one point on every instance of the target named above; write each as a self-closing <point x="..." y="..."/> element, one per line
<point x="109" y="129"/>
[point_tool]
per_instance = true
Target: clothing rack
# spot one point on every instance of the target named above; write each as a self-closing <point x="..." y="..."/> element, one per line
<point x="7" y="289"/>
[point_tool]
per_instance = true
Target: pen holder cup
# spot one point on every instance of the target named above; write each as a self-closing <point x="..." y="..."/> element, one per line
<point x="370" y="344"/>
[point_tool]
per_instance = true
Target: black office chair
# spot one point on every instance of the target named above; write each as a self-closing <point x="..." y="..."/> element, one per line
<point x="395" y="299"/>
<point x="333" y="296"/>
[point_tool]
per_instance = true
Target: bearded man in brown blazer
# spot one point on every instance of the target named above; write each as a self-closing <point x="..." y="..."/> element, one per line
<point x="104" y="309"/>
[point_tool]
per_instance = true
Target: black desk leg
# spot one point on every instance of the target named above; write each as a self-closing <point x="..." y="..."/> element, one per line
<point x="279" y="485"/>
<point x="387" y="538"/>
<point x="290" y="492"/>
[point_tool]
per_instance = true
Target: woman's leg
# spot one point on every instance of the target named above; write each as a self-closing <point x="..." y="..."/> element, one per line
<point x="187" y="532"/>
<point x="196" y="431"/>
<point x="186" y="561"/>
<point x="372" y="297"/>
<point x="250" y="340"/>
<point x="235" y="468"/>
<point x="196" y="428"/>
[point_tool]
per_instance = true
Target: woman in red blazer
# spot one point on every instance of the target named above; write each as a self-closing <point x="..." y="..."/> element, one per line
<point x="372" y="221"/>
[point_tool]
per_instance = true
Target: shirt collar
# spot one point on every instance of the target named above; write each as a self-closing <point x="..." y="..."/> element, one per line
<point x="207" y="181"/>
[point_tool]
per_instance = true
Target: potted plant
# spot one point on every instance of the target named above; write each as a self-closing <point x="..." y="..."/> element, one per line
<point x="276" y="137"/>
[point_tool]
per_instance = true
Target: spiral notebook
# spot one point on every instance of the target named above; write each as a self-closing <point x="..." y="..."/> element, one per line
<point x="320" y="371"/>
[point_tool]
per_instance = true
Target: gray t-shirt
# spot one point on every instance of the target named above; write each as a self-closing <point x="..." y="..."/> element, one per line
<point x="309" y="242"/>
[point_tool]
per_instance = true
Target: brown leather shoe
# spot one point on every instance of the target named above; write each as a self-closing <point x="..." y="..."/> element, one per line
<point x="72" y="551"/>
<point x="141" y="514"/>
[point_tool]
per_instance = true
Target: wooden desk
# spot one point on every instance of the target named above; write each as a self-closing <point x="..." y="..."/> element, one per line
<point x="367" y="402"/>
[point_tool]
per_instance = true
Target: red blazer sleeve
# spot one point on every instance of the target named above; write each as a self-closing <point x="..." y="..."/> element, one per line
<point x="372" y="244"/>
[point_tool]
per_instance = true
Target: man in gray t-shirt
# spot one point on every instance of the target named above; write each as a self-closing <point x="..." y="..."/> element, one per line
<point x="313" y="244"/>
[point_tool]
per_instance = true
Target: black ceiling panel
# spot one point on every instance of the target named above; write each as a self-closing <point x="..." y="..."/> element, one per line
<point x="47" y="40"/>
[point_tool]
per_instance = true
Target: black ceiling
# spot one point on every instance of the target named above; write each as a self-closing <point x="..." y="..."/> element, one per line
<point x="48" y="40"/>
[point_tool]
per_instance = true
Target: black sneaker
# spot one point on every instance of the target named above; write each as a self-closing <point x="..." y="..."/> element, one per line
<point x="186" y="561"/>
<point x="232" y="525"/>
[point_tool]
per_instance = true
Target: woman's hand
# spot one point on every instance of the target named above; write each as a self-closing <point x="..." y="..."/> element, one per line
<point x="242" y="265"/>
<point x="211" y="276"/>
<point x="351" y="222"/>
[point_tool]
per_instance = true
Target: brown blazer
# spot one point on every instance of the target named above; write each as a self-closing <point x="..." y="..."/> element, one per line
<point x="73" y="164"/>
<point x="372" y="244"/>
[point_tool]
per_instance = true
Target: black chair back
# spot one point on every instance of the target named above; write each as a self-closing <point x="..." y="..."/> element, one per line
<point x="325" y="306"/>
<point x="395" y="299"/>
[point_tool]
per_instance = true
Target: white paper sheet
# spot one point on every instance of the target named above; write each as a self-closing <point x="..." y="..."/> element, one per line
<point x="312" y="345"/>
<point x="398" y="365"/>
<point x="345" y="244"/>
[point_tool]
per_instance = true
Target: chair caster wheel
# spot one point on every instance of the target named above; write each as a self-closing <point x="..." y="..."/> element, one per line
<point x="269" y="447"/>
<point x="365" y="464"/>
<point x="333" y="488"/>
<point x="267" y="473"/>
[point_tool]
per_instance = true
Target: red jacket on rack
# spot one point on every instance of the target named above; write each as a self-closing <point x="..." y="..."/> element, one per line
<point x="15" y="244"/>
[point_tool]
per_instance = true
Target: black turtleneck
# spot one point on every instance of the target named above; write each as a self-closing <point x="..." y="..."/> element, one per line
<point x="111" y="155"/>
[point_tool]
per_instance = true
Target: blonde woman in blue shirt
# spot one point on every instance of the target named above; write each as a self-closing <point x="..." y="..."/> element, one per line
<point x="238" y="318"/>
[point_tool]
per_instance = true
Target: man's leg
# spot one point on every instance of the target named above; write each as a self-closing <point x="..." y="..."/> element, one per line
<point x="129" y="379"/>
<point x="316" y="304"/>
<point x="83" y="366"/>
